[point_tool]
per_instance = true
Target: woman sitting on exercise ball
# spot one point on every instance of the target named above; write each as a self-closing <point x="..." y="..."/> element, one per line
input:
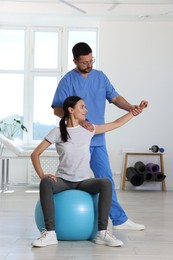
<point x="72" y="143"/>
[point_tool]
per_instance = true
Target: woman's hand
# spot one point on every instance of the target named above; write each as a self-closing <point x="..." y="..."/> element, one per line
<point x="137" y="109"/>
<point x="50" y="176"/>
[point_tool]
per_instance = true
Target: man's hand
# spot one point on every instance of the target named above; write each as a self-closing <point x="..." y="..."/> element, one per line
<point x="87" y="125"/>
<point x="143" y="104"/>
<point x="137" y="109"/>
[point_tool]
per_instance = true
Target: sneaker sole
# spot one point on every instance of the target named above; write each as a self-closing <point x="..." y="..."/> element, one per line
<point x="107" y="244"/>
<point x="129" y="228"/>
<point x="43" y="245"/>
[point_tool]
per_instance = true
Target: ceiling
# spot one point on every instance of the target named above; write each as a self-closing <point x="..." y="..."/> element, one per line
<point x="109" y="9"/>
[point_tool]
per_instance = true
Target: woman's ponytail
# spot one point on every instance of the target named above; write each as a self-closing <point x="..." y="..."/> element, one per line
<point x="63" y="129"/>
<point x="69" y="102"/>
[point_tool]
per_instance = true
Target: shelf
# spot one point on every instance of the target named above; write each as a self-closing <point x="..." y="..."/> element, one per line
<point x="160" y="155"/>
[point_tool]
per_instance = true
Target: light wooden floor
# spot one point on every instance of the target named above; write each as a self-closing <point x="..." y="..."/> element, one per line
<point x="154" y="209"/>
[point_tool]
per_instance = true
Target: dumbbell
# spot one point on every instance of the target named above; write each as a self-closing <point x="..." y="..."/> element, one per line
<point x="156" y="149"/>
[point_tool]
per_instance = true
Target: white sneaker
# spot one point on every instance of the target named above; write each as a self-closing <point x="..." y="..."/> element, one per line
<point x="129" y="225"/>
<point x="104" y="238"/>
<point x="47" y="238"/>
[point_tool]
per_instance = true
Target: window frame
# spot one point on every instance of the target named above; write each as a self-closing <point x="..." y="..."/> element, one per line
<point x="29" y="72"/>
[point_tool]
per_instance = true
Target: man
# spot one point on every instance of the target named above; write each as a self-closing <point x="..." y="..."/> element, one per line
<point x="94" y="88"/>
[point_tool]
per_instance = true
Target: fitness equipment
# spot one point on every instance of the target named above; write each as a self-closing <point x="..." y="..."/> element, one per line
<point x="149" y="176"/>
<point x="154" y="171"/>
<point x="134" y="177"/>
<point x="140" y="167"/>
<point x="155" y="149"/>
<point x="76" y="215"/>
<point x="153" y="167"/>
<point x="159" y="176"/>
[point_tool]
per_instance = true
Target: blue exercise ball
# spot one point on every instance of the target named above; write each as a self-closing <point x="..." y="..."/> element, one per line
<point x="76" y="215"/>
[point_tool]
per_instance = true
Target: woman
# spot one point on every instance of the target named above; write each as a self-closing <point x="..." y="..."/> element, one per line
<point x="72" y="143"/>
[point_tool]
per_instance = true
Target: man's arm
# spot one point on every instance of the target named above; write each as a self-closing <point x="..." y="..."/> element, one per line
<point x="58" y="111"/>
<point x="122" y="103"/>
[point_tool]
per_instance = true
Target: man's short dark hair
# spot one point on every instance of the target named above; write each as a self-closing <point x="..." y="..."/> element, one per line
<point x="81" y="48"/>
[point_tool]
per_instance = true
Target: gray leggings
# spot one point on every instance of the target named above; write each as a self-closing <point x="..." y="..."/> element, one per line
<point x="48" y="187"/>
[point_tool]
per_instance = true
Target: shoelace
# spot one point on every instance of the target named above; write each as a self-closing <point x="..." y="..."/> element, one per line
<point x="43" y="234"/>
<point x="110" y="235"/>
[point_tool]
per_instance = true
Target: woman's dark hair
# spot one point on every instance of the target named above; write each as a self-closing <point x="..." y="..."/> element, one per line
<point x="81" y="48"/>
<point x="69" y="102"/>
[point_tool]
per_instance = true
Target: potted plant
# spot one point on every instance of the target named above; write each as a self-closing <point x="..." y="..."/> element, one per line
<point x="12" y="127"/>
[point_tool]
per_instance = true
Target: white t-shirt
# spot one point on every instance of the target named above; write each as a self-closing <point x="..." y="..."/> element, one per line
<point x="74" y="155"/>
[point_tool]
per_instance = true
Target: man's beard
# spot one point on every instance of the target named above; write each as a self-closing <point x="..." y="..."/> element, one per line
<point x="85" y="71"/>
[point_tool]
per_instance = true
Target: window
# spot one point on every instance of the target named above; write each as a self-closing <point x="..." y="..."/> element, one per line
<point x="32" y="62"/>
<point x="12" y="49"/>
<point x="11" y="88"/>
<point x="46" y="50"/>
<point x="11" y="74"/>
<point x="43" y="119"/>
<point x="46" y="72"/>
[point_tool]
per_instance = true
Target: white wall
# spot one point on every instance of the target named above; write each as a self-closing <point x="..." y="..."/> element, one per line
<point x="138" y="58"/>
